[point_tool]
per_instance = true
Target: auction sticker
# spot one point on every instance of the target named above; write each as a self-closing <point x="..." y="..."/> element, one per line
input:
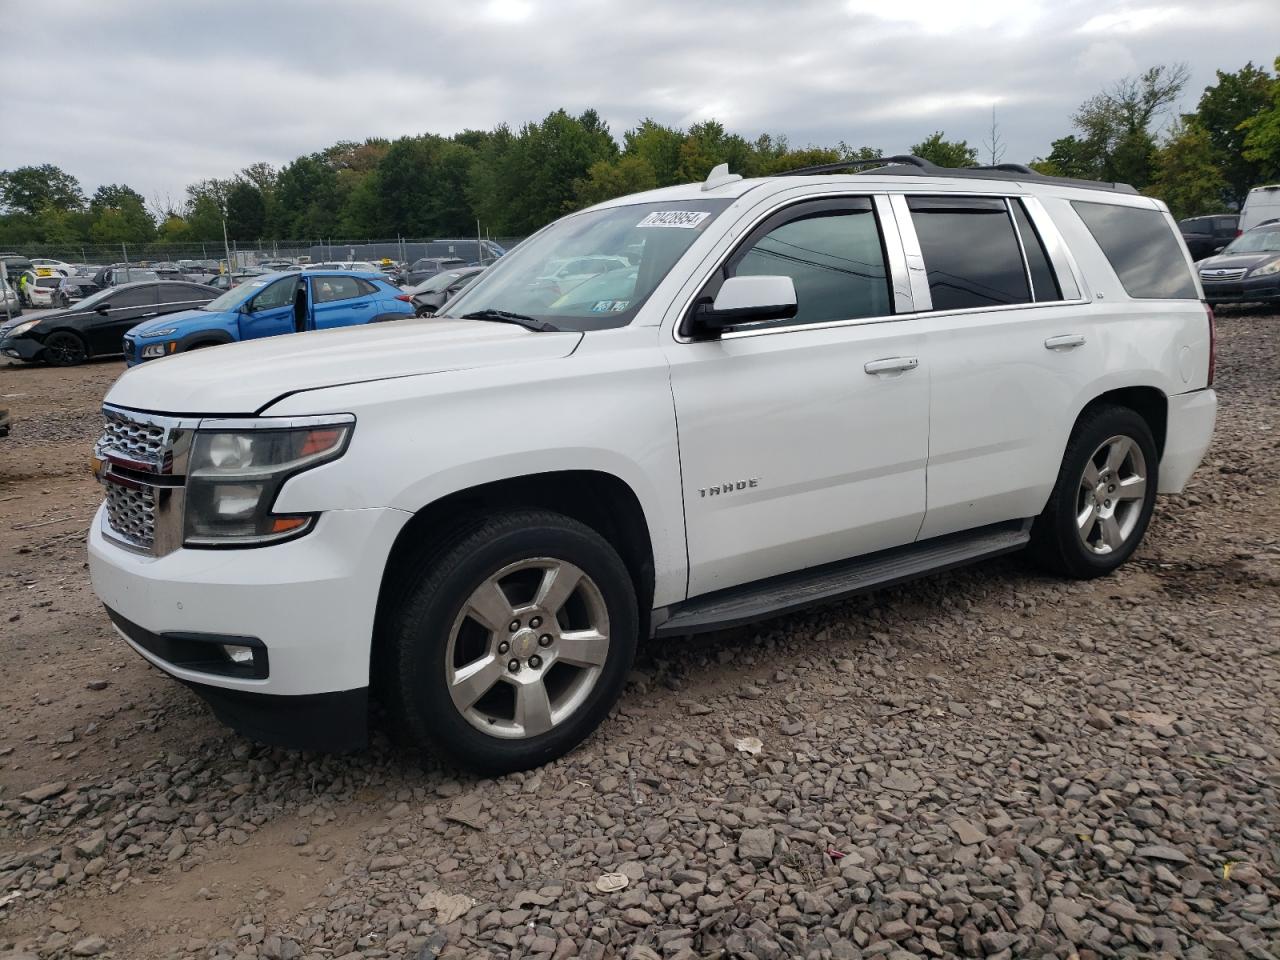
<point x="685" y="219"/>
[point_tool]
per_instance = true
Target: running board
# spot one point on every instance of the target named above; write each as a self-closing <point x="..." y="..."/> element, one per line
<point x="836" y="581"/>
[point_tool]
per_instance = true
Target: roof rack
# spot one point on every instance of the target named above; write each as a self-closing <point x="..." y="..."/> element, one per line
<point x="913" y="166"/>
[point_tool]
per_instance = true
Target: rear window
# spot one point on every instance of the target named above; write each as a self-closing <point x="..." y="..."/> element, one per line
<point x="48" y="281"/>
<point x="1142" y="250"/>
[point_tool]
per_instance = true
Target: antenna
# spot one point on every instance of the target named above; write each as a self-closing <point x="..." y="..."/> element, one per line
<point x="719" y="176"/>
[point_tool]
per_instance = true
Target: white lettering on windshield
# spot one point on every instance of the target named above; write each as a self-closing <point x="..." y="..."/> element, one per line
<point x="684" y="219"/>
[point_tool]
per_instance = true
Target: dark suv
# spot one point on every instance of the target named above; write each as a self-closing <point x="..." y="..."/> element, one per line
<point x="1205" y="236"/>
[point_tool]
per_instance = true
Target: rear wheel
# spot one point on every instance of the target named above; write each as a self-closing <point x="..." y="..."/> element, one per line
<point x="511" y="642"/>
<point x="1102" y="503"/>
<point x="64" y="349"/>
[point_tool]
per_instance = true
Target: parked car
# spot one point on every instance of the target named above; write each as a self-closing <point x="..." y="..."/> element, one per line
<point x="1205" y="236"/>
<point x="364" y="266"/>
<point x="269" y="306"/>
<point x="10" y="305"/>
<point x="94" y="326"/>
<point x="36" y="286"/>
<point x="73" y="289"/>
<point x="274" y="266"/>
<point x="430" y="295"/>
<point x="428" y="267"/>
<point x="1247" y="271"/>
<point x="229" y="281"/>
<point x="1262" y="205"/>
<point x="58" y="266"/>
<point x="563" y="277"/>
<point x="873" y="376"/>
<point x="117" y="273"/>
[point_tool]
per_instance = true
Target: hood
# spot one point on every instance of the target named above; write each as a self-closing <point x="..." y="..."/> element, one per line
<point x="1234" y="261"/>
<point x="242" y="378"/>
<point x="203" y="318"/>
<point x="7" y="325"/>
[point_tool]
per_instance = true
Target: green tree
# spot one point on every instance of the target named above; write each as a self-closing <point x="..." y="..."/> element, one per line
<point x="1187" y="175"/>
<point x="1224" y="110"/>
<point x="937" y="149"/>
<point x="707" y="145"/>
<point x="31" y="190"/>
<point x="119" y="216"/>
<point x="307" y="200"/>
<point x="246" y="211"/>
<point x="204" y="219"/>
<point x="607" y="179"/>
<point x="1262" y="134"/>
<point x="659" y="147"/>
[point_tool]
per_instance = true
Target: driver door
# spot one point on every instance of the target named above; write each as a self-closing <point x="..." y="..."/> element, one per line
<point x="126" y="308"/>
<point x="269" y="313"/>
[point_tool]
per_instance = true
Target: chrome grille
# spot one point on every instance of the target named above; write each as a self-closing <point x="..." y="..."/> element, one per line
<point x="136" y="439"/>
<point x="1223" y="275"/>
<point x="132" y="514"/>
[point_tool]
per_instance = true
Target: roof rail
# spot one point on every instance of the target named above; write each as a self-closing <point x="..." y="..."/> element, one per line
<point x="913" y="166"/>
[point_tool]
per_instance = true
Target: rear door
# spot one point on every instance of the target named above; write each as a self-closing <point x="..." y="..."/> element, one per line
<point x="1011" y="345"/>
<point x="269" y="313"/>
<point x="181" y="296"/>
<point x="341" y="301"/>
<point x="126" y="308"/>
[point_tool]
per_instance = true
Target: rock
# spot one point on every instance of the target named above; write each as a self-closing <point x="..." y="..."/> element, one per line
<point x="92" y="845"/>
<point x="756" y="844"/>
<point x="968" y="833"/>
<point x="44" y="792"/>
<point x="89" y="947"/>
<point x="97" y="685"/>
<point x="1158" y="852"/>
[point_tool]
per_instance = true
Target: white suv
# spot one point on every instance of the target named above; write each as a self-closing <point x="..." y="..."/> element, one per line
<point x="796" y="389"/>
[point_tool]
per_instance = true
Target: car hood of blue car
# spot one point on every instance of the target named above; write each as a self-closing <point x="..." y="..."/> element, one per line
<point x="185" y="321"/>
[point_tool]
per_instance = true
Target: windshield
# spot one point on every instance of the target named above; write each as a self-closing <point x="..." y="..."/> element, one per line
<point x="232" y="299"/>
<point x="592" y="270"/>
<point x="1255" y="241"/>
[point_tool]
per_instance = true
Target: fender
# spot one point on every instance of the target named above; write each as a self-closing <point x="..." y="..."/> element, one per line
<point x="203" y="338"/>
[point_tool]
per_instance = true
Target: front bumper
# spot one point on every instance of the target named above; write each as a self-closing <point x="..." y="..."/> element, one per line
<point x="1189" y="430"/>
<point x="20" y="348"/>
<point x="309" y="602"/>
<point x="1248" y="290"/>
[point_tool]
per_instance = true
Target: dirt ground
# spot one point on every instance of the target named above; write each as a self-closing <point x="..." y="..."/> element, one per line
<point x="1142" y="712"/>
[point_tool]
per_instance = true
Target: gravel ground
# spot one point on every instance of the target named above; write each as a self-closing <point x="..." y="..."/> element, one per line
<point x="990" y="763"/>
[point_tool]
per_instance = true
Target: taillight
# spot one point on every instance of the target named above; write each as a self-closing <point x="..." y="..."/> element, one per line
<point x="405" y="297"/>
<point x="1213" y="344"/>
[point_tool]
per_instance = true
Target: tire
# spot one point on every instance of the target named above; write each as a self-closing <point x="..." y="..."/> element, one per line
<point x="62" y="348"/>
<point x="1088" y="528"/>
<point x="444" y="624"/>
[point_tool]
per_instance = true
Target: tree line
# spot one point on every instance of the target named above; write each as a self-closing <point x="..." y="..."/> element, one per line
<point x="514" y="181"/>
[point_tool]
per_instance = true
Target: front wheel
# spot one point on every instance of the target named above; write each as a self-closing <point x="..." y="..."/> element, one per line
<point x="64" y="349"/>
<point x="510" y="641"/>
<point x="1106" y="491"/>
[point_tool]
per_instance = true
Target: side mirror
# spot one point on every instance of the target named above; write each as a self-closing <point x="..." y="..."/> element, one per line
<point x="102" y="308"/>
<point x="750" y="300"/>
<point x="1219" y="249"/>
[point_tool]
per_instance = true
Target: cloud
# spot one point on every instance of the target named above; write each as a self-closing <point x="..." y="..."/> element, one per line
<point x="157" y="95"/>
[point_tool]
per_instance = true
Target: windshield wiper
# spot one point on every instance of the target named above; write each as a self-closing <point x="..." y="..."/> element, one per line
<point x="519" y="319"/>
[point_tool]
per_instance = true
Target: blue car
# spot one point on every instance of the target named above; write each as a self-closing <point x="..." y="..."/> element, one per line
<point x="268" y="306"/>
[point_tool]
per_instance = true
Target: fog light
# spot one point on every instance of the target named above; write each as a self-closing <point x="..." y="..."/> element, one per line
<point x="237" y="654"/>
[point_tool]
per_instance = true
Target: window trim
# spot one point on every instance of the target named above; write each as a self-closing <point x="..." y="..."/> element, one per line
<point x="889" y="239"/>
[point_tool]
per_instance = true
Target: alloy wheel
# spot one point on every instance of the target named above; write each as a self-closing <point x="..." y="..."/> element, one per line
<point x="527" y="647"/>
<point x="1111" y="494"/>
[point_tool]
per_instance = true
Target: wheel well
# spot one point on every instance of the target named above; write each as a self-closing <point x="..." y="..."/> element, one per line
<point x="1148" y="402"/>
<point x="599" y="500"/>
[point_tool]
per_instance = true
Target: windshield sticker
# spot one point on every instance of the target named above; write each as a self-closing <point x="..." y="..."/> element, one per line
<point x="620" y="305"/>
<point x="684" y="219"/>
<point x="609" y="306"/>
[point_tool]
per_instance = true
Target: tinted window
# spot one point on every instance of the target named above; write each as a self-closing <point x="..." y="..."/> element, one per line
<point x="279" y="294"/>
<point x="134" y="297"/>
<point x="365" y="287"/>
<point x="971" y="252"/>
<point x="1141" y="248"/>
<point x="180" y="293"/>
<point x="327" y="289"/>
<point x="1226" y="224"/>
<point x="833" y="255"/>
<point x="1043" y="281"/>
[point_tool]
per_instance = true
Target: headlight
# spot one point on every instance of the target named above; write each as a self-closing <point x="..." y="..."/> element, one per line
<point x="237" y="469"/>
<point x="22" y="328"/>
<point x="158" y="349"/>
<point x="1266" y="270"/>
<point x="166" y="332"/>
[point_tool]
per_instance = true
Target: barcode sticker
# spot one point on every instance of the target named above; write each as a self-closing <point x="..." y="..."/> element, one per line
<point x="684" y="219"/>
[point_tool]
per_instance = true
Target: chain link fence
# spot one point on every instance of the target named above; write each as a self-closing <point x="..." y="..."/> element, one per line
<point x="249" y="253"/>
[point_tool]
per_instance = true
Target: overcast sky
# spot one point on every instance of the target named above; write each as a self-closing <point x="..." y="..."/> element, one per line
<point x="159" y="94"/>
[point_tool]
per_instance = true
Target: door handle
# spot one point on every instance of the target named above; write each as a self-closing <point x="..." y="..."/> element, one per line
<point x="891" y="365"/>
<point x="1068" y="341"/>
